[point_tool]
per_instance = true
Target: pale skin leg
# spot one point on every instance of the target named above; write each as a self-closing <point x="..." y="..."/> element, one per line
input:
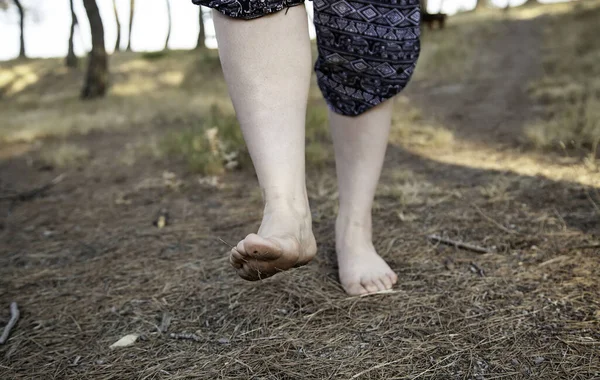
<point x="360" y="144"/>
<point x="267" y="65"/>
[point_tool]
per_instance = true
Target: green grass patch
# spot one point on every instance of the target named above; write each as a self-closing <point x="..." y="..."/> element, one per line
<point x="154" y="55"/>
<point x="211" y="146"/>
<point x="319" y="148"/>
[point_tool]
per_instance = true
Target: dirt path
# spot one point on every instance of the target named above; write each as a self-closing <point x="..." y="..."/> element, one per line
<point x="87" y="266"/>
<point x="492" y="105"/>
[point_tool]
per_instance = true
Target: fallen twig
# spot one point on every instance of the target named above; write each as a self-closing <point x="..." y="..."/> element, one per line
<point x="473" y="267"/>
<point x="589" y="197"/>
<point x="500" y="226"/>
<point x="30" y="194"/>
<point x="459" y="244"/>
<point x="185" y="336"/>
<point x="165" y="323"/>
<point x="380" y="365"/>
<point x="582" y="247"/>
<point x="14" y="317"/>
<point x="589" y="246"/>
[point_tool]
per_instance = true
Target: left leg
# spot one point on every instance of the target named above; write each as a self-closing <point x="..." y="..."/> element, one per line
<point x="360" y="144"/>
<point x="367" y="53"/>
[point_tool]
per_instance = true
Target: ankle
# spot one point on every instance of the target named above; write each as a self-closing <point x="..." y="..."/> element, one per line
<point x="352" y="227"/>
<point x="288" y="205"/>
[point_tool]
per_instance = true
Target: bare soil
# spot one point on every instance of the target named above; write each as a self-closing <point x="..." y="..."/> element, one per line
<point x="87" y="266"/>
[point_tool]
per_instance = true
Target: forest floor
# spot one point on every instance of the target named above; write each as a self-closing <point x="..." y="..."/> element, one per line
<point x="87" y="265"/>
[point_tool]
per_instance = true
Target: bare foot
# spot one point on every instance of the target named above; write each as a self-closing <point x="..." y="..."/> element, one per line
<point x="284" y="241"/>
<point x="361" y="269"/>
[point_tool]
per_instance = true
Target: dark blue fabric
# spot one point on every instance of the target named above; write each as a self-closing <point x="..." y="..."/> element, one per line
<point x="368" y="49"/>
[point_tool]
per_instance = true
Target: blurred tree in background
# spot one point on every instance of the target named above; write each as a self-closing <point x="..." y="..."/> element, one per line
<point x="131" y="12"/>
<point x="201" y="33"/>
<point x="97" y="72"/>
<point x="71" y="59"/>
<point x="169" y="25"/>
<point x="22" y="27"/>
<point x="118" y="42"/>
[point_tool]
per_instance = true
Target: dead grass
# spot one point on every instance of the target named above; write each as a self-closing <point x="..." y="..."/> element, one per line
<point x="87" y="266"/>
<point x="136" y="150"/>
<point x="86" y="273"/>
<point x="64" y="155"/>
<point x="446" y="54"/>
<point x="40" y="97"/>
<point x="410" y="129"/>
<point x="569" y="89"/>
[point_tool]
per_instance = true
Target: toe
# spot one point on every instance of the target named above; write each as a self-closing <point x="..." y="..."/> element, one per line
<point x="380" y="284"/>
<point x="369" y="286"/>
<point x="387" y="282"/>
<point x="355" y="289"/>
<point x="247" y="274"/>
<point x="255" y="270"/>
<point x="236" y="259"/>
<point x="240" y="248"/>
<point x="393" y="277"/>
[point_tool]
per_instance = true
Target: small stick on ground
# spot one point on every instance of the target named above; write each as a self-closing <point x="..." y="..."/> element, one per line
<point x="589" y="197"/>
<point x="473" y="267"/>
<point x="185" y="336"/>
<point x="165" y="323"/>
<point x="500" y="226"/>
<point x="588" y="246"/>
<point x="14" y="317"/>
<point x="459" y="244"/>
<point x="30" y="194"/>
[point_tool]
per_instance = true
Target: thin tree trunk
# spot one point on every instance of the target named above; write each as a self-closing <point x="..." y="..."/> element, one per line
<point x="71" y="60"/>
<point x="481" y="4"/>
<point x="118" y="42"/>
<point x="131" y="11"/>
<point x="97" y="72"/>
<point x="201" y="44"/>
<point x="168" y="30"/>
<point x="22" y="26"/>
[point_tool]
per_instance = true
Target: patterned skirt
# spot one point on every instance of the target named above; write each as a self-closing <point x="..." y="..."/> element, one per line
<point x="368" y="49"/>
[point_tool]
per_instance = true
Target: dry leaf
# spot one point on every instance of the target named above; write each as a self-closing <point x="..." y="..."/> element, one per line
<point x="210" y="181"/>
<point x="125" y="341"/>
<point x="162" y="219"/>
<point x="213" y="139"/>
<point x="169" y="176"/>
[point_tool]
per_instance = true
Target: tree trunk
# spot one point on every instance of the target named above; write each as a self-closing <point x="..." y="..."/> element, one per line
<point x="97" y="71"/>
<point x="22" y="26"/>
<point x="168" y="30"/>
<point x="481" y="4"/>
<point x="131" y="11"/>
<point x="71" y="60"/>
<point x="201" y="44"/>
<point x="118" y="42"/>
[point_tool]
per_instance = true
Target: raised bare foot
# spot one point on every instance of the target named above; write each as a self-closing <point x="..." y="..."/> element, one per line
<point x="284" y="241"/>
<point x="361" y="269"/>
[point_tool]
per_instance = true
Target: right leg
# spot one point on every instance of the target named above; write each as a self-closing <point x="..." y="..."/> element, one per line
<point x="267" y="68"/>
